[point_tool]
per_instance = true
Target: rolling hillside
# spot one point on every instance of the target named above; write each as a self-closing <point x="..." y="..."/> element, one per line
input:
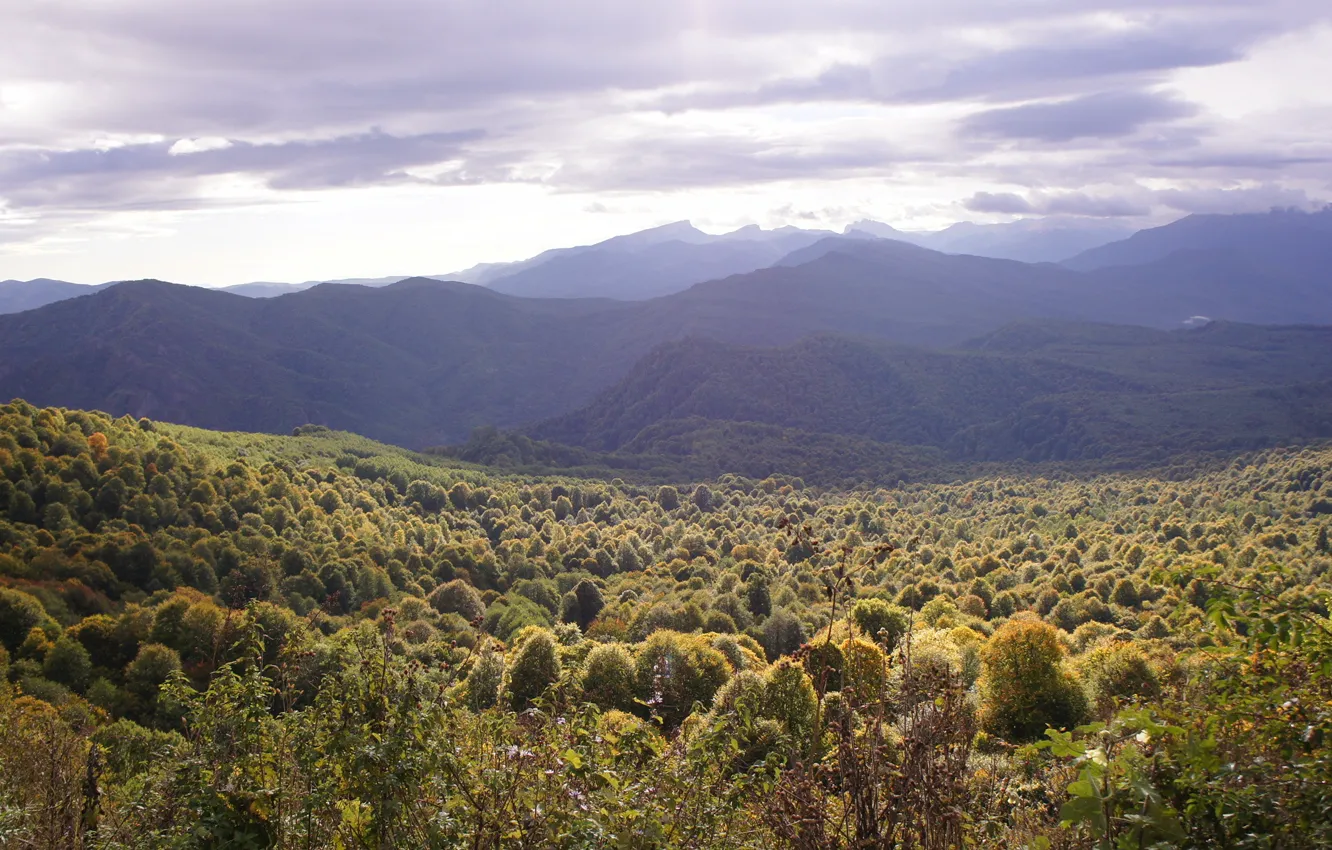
<point x="1045" y="391"/>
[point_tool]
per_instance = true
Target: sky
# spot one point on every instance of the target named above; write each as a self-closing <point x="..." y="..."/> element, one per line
<point x="290" y="140"/>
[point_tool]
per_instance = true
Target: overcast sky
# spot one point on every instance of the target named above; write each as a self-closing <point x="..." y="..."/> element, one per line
<point x="236" y="140"/>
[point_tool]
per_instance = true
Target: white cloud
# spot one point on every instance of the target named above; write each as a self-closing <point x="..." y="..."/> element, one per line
<point x="367" y="119"/>
<point x="186" y="146"/>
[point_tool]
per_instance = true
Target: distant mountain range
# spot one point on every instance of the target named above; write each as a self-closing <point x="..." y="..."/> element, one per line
<point x="849" y="337"/>
<point x="675" y="256"/>
<point x="1034" y="240"/>
<point x="19" y="295"/>
<point x="1285" y="242"/>
<point x="667" y="259"/>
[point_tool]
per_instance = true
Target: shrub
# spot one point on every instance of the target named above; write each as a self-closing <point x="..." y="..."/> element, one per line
<point x="609" y="677"/>
<point x="881" y="621"/>
<point x="783" y="634"/>
<point x="674" y="671"/>
<point x="1117" y="671"/>
<point x="68" y="663"/>
<point x="20" y="613"/>
<point x="535" y="668"/>
<point x="865" y="669"/>
<point x="458" y="597"/>
<point x="1024" y="687"/>
<point x="790" y="699"/>
<point x="482" y="686"/>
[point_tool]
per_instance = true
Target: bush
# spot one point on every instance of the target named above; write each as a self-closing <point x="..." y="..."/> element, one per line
<point x="458" y="597"/>
<point x="482" y="686"/>
<point x="1118" y="671"/>
<point x="1024" y="687"/>
<point x="823" y="661"/>
<point x="609" y="677"/>
<point x="68" y="663"/>
<point x="535" y="668"/>
<point x="674" y="671"/>
<point x="20" y="613"/>
<point x="790" y="699"/>
<point x="512" y="614"/>
<point x="145" y="675"/>
<point x="865" y="670"/>
<point x="783" y="634"/>
<point x="881" y="621"/>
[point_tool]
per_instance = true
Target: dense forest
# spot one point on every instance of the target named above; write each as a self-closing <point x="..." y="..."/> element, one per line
<point x="238" y="640"/>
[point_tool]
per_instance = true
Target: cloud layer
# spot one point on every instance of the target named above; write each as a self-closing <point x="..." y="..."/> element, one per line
<point x="1077" y="107"/>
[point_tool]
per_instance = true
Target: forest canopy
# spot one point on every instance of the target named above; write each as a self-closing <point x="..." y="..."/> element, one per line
<point x="220" y="639"/>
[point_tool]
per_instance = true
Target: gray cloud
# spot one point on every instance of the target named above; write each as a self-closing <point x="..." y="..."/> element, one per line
<point x="1244" y="161"/>
<point x="1104" y="115"/>
<point x="1062" y="204"/>
<point x="1023" y="71"/>
<point x="318" y="94"/>
<point x="1003" y="203"/>
<point x="658" y="164"/>
<point x="1238" y="200"/>
<point x="1078" y="203"/>
<point x="1042" y="69"/>
<point x="1138" y="201"/>
<point x="79" y="177"/>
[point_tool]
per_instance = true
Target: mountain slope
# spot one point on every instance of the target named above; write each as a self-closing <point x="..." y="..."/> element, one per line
<point x="650" y="263"/>
<point x="416" y="362"/>
<point x="1032" y="240"/>
<point x="1045" y="391"/>
<point x="1284" y="243"/>
<point x="873" y="288"/>
<point x="19" y="295"/>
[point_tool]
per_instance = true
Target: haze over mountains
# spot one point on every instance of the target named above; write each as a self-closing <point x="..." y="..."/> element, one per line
<point x="864" y="338"/>
<point x="1030" y="240"/>
<point x="669" y="258"/>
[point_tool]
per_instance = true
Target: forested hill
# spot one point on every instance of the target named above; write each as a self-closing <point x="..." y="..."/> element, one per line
<point x="423" y="362"/>
<point x="412" y="363"/>
<point x="219" y="639"/>
<point x="1033" y="391"/>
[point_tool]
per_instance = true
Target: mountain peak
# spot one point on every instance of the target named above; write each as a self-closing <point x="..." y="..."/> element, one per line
<point x="676" y="231"/>
<point x="873" y="228"/>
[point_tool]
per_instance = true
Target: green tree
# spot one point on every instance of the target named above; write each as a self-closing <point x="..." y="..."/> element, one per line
<point x="609" y="678"/>
<point x="668" y="497"/>
<point x="68" y="663"/>
<point x="1118" y="671"/>
<point x="824" y="662"/>
<point x="589" y="603"/>
<point x="674" y="671"/>
<point x="482" y="686"/>
<point x="20" y="613"/>
<point x="1024" y="687"/>
<point x="1125" y="593"/>
<point x="864" y="670"/>
<point x="789" y="698"/>
<point x="535" y="668"/>
<point x="703" y="497"/>
<point x="458" y="597"/>
<point x="758" y="595"/>
<point x="145" y="675"/>
<point x="783" y="634"/>
<point x="881" y="621"/>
